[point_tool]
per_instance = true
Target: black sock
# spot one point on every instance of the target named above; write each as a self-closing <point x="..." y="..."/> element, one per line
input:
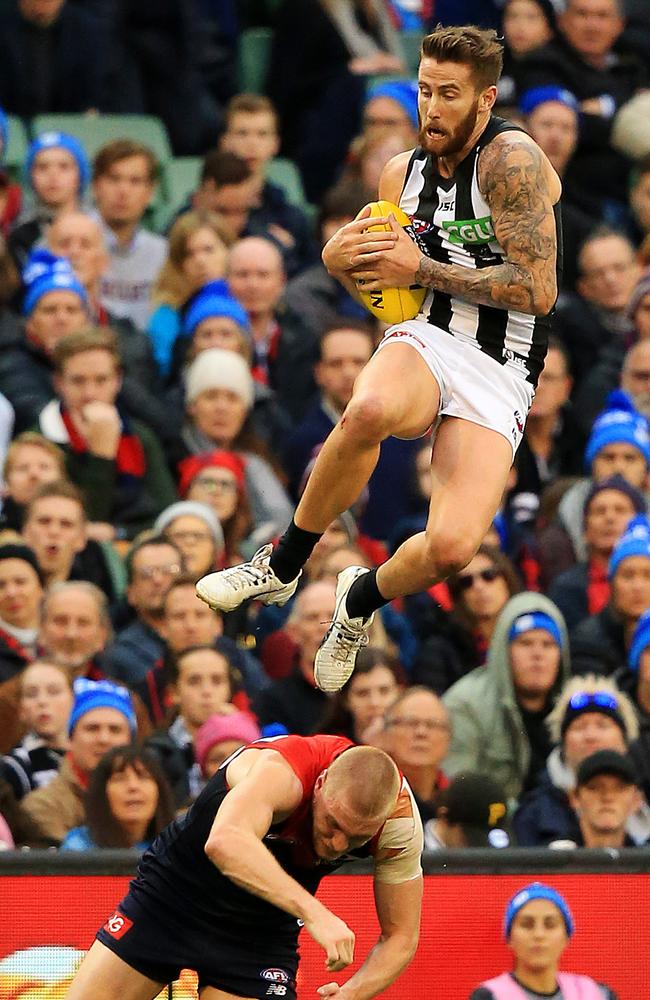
<point x="364" y="596"/>
<point x="292" y="552"/>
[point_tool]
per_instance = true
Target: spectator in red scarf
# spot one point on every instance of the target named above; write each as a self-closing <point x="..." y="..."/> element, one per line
<point x="217" y="479"/>
<point x="118" y="463"/>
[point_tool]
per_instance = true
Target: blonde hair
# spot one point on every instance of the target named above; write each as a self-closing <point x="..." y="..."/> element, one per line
<point x="172" y="287"/>
<point x="369" y="780"/>
<point x="590" y="684"/>
<point x="36" y="441"/>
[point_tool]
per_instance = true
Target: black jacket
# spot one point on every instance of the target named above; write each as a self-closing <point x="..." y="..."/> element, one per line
<point x="598" y="644"/>
<point x="293" y="703"/>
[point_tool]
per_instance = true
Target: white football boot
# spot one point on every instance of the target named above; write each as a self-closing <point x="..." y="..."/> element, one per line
<point x="337" y="653"/>
<point x="227" y="589"/>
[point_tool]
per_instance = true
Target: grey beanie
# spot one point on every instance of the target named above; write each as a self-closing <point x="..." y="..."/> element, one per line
<point x="195" y="509"/>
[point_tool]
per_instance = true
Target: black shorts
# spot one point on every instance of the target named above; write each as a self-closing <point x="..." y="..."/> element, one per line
<point x="159" y="946"/>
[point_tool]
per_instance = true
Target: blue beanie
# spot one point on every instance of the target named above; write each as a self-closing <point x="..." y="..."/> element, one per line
<point x="59" y="140"/>
<point x="44" y="272"/>
<point x="404" y="92"/>
<point x="634" y="542"/>
<point x="101" y="694"/>
<point x="4" y="134"/>
<point x="536" y="890"/>
<point x="532" y="620"/>
<point x="640" y="641"/>
<point x="532" y="98"/>
<point x="618" y="424"/>
<point x="208" y="304"/>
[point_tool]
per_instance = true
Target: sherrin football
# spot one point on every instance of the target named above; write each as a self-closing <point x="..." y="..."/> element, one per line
<point x="392" y="305"/>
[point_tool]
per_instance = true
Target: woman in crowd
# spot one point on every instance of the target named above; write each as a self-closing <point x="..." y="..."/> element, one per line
<point x="537" y="927"/>
<point x="220" y="736"/>
<point x="195" y="530"/>
<point x="218" y="480"/>
<point x="355" y="710"/>
<point x="127" y="805"/>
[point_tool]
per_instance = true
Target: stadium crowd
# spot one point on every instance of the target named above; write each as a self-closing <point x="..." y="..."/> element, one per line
<point x="170" y="364"/>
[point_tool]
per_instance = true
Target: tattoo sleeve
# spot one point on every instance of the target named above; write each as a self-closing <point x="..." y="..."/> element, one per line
<point x="512" y="180"/>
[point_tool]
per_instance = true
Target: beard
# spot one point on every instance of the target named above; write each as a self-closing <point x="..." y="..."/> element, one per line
<point x="451" y="142"/>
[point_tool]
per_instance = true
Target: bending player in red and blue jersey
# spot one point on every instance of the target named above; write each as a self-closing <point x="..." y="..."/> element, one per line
<point x="225" y="889"/>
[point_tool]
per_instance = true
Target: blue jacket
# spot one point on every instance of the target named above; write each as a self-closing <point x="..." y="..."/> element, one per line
<point x="545" y="815"/>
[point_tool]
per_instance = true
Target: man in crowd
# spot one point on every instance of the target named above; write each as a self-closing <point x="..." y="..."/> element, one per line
<point x="470" y="812"/>
<point x="605" y="797"/>
<point x="124" y="183"/>
<point x="228" y="188"/>
<point x="21" y="592"/>
<point x="55" y="529"/>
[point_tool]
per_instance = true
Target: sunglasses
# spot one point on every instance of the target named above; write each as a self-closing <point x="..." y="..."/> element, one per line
<point x="602" y="699"/>
<point x="467" y="580"/>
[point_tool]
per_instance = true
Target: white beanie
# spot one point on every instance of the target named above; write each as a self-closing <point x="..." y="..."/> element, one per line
<point x="219" y="369"/>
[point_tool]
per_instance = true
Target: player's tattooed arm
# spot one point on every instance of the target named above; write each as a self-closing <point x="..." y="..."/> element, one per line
<point x="513" y="180"/>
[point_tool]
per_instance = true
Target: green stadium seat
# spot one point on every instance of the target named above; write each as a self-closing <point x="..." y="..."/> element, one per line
<point x="16" y="151"/>
<point x="286" y="175"/>
<point x="94" y="131"/>
<point x="181" y="177"/>
<point x="411" y="43"/>
<point x="253" y="57"/>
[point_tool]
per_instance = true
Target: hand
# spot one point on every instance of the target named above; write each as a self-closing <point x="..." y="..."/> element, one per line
<point x="330" y="990"/>
<point x="592" y="106"/>
<point x="101" y="426"/>
<point x="395" y="267"/>
<point x="100" y="531"/>
<point x="334" y="936"/>
<point x="344" y="251"/>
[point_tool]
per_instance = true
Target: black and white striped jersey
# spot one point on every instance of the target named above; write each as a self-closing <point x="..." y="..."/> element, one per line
<point x="451" y="223"/>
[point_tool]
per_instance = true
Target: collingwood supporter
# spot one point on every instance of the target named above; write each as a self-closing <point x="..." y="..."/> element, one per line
<point x="416" y="733"/>
<point x="470" y="812"/>
<point x="294" y="701"/>
<point x="194" y="529"/>
<point x="55" y="304"/>
<point x="57" y="173"/>
<point x="589" y="58"/>
<point x="31" y="462"/>
<point x="218" y="479"/>
<point x="21" y="592"/>
<point x="219" y="399"/>
<point x="102" y="717"/>
<point x="118" y="463"/>
<point x="127" y="804"/>
<point x="203" y="681"/>
<point x="357" y="710"/>
<point x="600" y="643"/>
<point x="152" y="562"/>
<point x="219" y="737"/>
<point x="605" y="798"/>
<point x="46" y="699"/>
<point x="538" y="925"/>
<point x="584" y="589"/>
<point x="454" y="644"/>
<point x="590" y="714"/>
<point x="498" y="712"/>
<point x="252" y="132"/>
<point x="124" y="184"/>
<point x="196" y="259"/>
<point x="596" y="315"/>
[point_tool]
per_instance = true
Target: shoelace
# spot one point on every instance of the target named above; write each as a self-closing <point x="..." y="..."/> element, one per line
<point x="347" y="640"/>
<point x="240" y="577"/>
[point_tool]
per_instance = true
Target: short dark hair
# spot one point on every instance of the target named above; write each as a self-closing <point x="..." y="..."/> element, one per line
<point x="105" y="830"/>
<point x="344" y="200"/>
<point x="250" y="104"/>
<point x="344" y="323"/>
<point x="500" y="562"/>
<point x="124" y="149"/>
<point x="143" y="542"/>
<point x="222" y="168"/>
<point x="602" y="232"/>
<point x="475" y="47"/>
<point x="219" y="646"/>
<point x="555" y="344"/>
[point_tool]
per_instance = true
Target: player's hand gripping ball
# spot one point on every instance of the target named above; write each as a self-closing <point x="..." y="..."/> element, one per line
<point x="392" y="305"/>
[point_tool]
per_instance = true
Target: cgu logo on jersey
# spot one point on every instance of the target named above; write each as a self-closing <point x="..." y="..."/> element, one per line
<point x="473" y="231"/>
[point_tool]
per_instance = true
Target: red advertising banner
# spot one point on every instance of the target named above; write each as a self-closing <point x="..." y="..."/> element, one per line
<point x="47" y="922"/>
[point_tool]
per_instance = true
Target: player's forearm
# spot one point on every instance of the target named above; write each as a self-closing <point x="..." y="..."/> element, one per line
<point x="504" y="286"/>
<point x="384" y="963"/>
<point x="246" y="861"/>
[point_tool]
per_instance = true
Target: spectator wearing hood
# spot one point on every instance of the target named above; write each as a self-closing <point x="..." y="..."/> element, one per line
<point x="55" y="304"/>
<point x="600" y="643"/>
<point x="583" y="589"/>
<point x="57" y="173"/>
<point x="498" y="711"/>
<point x="591" y="714"/>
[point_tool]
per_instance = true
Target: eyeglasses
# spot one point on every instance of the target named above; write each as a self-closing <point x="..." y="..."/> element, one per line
<point x="602" y="699"/>
<point x="467" y="580"/>
<point x="216" y="485"/>
<point x="148" y="572"/>
<point x="410" y="722"/>
<point x="192" y="537"/>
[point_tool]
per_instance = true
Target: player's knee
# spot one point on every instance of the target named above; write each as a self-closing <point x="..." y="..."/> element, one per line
<point x="447" y="552"/>
<point x="367" y="417"/>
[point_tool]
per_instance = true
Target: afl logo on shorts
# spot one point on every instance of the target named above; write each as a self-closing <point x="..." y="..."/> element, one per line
<point x="275" y="975"/>
<point x="117" y="925"/>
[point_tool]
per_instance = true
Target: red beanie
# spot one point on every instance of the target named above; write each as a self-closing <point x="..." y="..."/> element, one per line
<point x="190" y="467"/>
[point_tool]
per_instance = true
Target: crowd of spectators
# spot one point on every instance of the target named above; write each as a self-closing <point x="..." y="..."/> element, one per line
<point x="163" y="395"/>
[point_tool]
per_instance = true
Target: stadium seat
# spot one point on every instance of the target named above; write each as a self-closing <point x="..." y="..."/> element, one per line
<point x="286" y="175"/>
<point x="253" y="57"/>
<point x="180" y="178"/>
<point x="16" y="151"/>
<point x="95" y="131"/>
<point x="411" y="43"/>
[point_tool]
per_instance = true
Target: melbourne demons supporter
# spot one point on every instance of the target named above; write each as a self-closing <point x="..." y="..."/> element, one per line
<point x="225" y="889"/>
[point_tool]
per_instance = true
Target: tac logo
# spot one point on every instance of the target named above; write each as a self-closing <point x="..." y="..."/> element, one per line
<point x="473" y="231"/>
<point x="275" y="975"/>
<point x="117" y="925"/>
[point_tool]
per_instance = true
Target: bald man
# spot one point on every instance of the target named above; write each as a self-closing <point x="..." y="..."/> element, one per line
<point x="225" y="889"/>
